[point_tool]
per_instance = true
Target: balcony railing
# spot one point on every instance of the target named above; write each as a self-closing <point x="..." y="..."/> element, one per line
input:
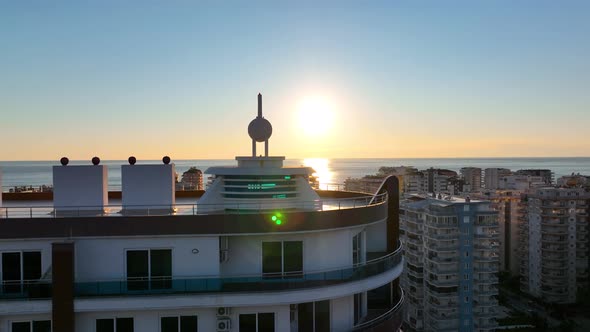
<point x="249" y="284"/>
<point x="120" y="210"/>
<point x="27" y="289"/>
<point x="391" y="320"/>
<point x="40" y="289"/>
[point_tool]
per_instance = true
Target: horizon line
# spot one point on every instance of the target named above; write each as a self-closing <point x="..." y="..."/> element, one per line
<point x="337" y="158"/>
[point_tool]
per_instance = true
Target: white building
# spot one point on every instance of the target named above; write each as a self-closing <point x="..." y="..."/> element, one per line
<point x="520" y="182"/>
<point x="451" y="256"/>
<point x="555" y="246"/>
<point x="492" y="177"/>
<point x="259" y="251"/>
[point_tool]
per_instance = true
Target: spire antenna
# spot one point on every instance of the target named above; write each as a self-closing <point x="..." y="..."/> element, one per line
<point x="259" y="105"/>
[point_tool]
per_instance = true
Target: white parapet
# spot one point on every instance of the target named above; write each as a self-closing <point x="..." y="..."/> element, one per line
<point x="80" y="187"/>
<point x="148" y="186"/>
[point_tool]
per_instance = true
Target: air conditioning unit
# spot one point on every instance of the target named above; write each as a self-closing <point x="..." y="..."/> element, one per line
<point x="223" y="324"/>
<point x="223" y="311"/>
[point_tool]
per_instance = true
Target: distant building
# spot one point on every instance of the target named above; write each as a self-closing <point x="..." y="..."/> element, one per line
<point x="371" y="183"/>
<point x="366" y="184"/>
<point x="472" y="178"/>
<point x="192" y="179"/>
<point x="492" y="176"/>
<point x="437" y="179"/>
<point x="511" y="210"/>
<point x="521" y="182"/>
<point x="452" y="262"/>
<point x="555" y="246"/>
<point x="456" y="186"/>
<point x="546" y="174"/>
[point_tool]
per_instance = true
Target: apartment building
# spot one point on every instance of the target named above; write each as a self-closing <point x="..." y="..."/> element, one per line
<point x="555" y="244"/>
<point x="451" y="263"/>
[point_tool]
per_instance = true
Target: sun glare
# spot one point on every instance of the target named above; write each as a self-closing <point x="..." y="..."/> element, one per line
<point x="322" y="170"/>
<point x="316" y="116"/>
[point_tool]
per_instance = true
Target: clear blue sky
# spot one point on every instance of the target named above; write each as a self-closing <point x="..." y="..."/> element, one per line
<point x="402" y="79"/>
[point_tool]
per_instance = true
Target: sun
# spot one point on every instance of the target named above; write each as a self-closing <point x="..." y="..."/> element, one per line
<point x="316" y="116"/>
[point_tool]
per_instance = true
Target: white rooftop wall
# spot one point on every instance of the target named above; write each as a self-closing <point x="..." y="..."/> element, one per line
<point x="80" y="186"/>
<point x="151" y="185"/>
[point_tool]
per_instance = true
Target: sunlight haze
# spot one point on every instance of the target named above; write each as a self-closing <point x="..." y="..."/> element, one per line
<point x="391" y="80"/>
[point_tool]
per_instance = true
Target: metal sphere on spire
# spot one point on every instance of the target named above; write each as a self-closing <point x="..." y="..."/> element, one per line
<point x="260" y="128"/>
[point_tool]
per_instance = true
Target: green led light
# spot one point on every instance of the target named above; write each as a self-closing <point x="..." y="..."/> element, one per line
<point x="287" y="177"/>
<point x="278" y="222"/>
<point x="274" y="218"/>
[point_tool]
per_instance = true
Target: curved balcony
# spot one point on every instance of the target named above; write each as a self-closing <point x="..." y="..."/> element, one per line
<point x="208" y="285"/>
<point x="391" y="320"/>
<point x="237" y="284"/>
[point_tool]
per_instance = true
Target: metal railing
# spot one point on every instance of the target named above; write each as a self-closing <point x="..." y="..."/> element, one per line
<point x="234" y="207"/>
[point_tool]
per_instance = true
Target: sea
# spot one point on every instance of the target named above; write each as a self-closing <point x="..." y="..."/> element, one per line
<point x="330" y="172"/>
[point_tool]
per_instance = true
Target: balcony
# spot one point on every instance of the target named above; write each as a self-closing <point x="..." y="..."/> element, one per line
<point x="486" y="235"/>
<point x="486" y="258"/>
<point x="391" y="320"/>
<point x="28" y="289"/>
<point x="248" y="284"/>
<point x="559" y="265"/>
<point x="554" y="248"/>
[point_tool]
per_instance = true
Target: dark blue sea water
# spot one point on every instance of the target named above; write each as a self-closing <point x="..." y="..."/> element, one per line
<point x="330" y="171"/>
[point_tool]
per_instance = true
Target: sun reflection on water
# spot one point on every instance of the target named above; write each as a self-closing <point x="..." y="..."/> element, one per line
<point x="322" y="170"/>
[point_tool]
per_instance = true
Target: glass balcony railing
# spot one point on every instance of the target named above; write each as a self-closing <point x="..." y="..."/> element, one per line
<point x="391" y="320"/>
<point x="41" y="289"/>
<point x="27" y="289"/>
<point x="248" y="284"/>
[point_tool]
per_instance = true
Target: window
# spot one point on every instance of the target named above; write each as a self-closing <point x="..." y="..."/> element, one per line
<point x="114" y="325"/>
<point x="282" y="259"/>
<point x="466" y="276"/>
<point x="34" y="326"/>
<point x="149" y="269"/>
<point x="466" y="299"/>
<point x="260" y="322"/>
<point x="18" y="268"/>
<point x="314" y="316"/>
<point x="179" y="324"/>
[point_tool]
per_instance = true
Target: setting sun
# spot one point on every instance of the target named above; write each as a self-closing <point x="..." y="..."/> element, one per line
<point x="316" y="115"/>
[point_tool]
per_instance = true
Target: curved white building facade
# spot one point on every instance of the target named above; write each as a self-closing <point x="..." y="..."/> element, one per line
<point x="260" y="250"/>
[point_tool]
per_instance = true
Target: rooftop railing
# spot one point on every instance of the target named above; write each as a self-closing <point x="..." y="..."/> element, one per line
<point x="234" y="207"/>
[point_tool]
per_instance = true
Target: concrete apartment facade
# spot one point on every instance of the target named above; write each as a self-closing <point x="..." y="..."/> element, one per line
<point x="555" y="246"/>
<point x="452" y="262"/>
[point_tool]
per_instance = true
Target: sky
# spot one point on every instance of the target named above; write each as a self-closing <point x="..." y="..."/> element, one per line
<point x="358" y="79"/>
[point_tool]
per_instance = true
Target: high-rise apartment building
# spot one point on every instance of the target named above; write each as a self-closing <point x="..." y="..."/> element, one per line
<point x="492" y="177"/>
<point x="511" y="210"/>
<point x="451" y="256"/>
<point x="472" y="178"/>
<point x="554" y="245"/>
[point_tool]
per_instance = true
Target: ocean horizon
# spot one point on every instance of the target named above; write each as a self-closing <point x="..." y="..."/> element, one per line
<point x="329" y="171"/>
